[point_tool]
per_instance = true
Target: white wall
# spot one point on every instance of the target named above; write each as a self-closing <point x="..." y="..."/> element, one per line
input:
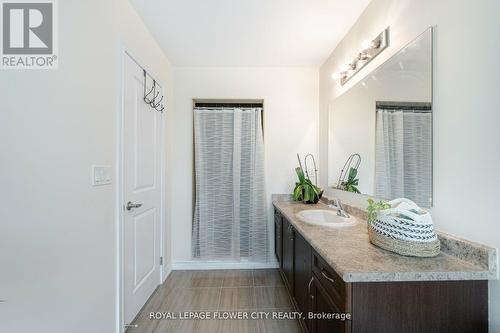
<point x="290" y="126"/>
<point x="58" y="246"/>
<point x="466" y="100"/>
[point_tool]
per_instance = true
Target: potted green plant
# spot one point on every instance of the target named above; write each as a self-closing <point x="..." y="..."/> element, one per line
<point x="374" y="209"/>
<point x="351" y="184"/>
<point x="305" y="190"/>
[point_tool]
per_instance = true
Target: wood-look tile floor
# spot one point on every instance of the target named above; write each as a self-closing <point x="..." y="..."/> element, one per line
<point x="223" y="290"/>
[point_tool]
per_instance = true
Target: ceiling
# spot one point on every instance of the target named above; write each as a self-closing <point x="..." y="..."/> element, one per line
<point x="249" y="32"/>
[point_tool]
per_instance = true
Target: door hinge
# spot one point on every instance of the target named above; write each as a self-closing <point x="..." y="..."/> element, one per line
<point x="161" y="261"/>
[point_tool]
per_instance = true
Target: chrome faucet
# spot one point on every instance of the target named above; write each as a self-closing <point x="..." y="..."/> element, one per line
<point x="340" y="209"/>
<point x="332" y="204"/>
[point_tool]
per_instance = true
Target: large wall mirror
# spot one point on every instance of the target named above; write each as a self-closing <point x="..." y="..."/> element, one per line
<point x="380" y="130"/>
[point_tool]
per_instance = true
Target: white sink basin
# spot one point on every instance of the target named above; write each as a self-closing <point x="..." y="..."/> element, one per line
<point x="326" y="218"/>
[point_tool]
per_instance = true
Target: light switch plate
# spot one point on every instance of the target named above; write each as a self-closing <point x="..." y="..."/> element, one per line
<point x="101" y="175"/>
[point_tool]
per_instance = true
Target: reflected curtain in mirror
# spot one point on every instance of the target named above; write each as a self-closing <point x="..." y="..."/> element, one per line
<point x="403" y="155"/>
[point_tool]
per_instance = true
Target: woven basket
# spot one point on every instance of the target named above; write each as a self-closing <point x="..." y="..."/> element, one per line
<point x="405" y="248"/>
<point x="405" y="229"/>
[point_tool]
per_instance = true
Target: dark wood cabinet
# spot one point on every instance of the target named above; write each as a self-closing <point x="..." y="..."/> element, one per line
<point x="288" y="240"/>
<point x="371" y="307"/>
<point x="302" y="277"/>
<point x="278" y="244"/>
<point x="420" y="306"/>
<point x="331" y="282"/>
<point x="323" y="305"/>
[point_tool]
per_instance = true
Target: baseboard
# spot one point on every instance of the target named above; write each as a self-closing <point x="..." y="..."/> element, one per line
<point x="166" y="272"/>
<point x="210" y="265"/>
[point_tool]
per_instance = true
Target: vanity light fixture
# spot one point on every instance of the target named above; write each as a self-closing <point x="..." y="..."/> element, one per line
<point x="369" y="50"/>
<point x="366" y="44"/>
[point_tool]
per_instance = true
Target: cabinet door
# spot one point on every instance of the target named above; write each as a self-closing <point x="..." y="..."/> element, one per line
<point x="330" y="281"/>
<point x="302" y="277"/>
<point x="288" y="245"/>
<point x="278" y="244"/>
<point x="322" y="304"/>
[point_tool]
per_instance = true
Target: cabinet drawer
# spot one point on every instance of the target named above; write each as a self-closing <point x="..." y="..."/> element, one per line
<point x="331" y="281"/>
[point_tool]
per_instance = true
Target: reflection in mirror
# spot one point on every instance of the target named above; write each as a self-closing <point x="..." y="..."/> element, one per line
<point x="386" y="119"/>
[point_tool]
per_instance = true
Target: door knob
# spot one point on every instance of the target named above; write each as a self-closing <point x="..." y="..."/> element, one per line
<point x="131" y="205"/>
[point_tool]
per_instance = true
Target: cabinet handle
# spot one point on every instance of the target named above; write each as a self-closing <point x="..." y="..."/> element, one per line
<point x="309" y="286"/>
<point x="327" y="277"/>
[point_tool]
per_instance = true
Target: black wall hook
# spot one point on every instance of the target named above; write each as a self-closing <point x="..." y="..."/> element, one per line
<point x="156" y="105"/>
<point x="148" y="101"/>
<point x="152" y="101"/>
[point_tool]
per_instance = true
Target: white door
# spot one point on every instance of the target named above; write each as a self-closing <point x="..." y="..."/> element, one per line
<point x="141" y="187"/>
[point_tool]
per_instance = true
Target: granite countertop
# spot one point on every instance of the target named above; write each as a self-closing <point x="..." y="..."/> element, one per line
<point x="349" y="252"/>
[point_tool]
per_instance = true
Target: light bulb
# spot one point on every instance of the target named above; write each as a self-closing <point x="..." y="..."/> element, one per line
<point x="336" y="75"/>
<point x="367" y="44"/>
<point x="344" y="67"/>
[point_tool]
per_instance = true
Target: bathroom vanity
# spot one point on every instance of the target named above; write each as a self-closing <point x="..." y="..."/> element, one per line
<point x="337" y="272"/>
